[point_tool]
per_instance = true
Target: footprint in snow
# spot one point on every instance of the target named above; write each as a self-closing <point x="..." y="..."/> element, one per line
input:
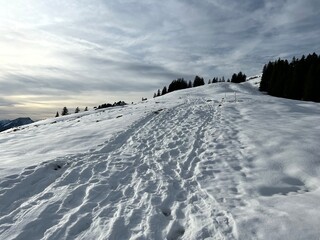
<point x="57" y="167"/>
<point x="166" y="212"/>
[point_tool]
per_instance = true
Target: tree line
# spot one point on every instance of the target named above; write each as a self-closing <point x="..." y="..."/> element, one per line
<point x="175" y="85"/>
<point x="108" y="105"/>
<point x="65" y="111"/>
<point x="298" y="79"/>
<point x="180" y="83"/>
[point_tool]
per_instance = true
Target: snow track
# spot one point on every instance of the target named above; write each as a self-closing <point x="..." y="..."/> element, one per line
<point x="142" y="184"/>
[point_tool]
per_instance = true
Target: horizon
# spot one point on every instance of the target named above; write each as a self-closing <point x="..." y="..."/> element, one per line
<point x="82" y="54"/>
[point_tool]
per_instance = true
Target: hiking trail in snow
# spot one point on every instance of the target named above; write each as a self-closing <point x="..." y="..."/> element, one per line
<point x="141" y="184"/>
<point x="179" y="171"/>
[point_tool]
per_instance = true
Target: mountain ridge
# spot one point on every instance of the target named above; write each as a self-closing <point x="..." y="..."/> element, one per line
<point x="8" y="124"/>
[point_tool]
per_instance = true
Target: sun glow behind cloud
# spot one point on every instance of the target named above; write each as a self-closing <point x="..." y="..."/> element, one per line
<point x="81" y="52"/>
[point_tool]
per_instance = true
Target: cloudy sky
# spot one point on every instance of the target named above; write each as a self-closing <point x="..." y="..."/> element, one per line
<point x="57" y="53"/>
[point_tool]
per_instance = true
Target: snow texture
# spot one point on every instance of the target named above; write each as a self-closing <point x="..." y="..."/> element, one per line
<point x="221" y="161"/>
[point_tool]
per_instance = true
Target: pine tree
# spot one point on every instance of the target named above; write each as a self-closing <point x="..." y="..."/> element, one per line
<point x="159" y="93"/>
<point x="296" y="80"/>
<point x="198" y="81"/>
<point x="238" y="78"/>
<point x="65" y="111"/>
<point x="279" y="79"/>
<point x="77" y="110"/>
<point x="317" y="81"/>
<point x="234" y="78"/>
<point x="178" y="84"/>
<point x="57" y="114"/>
<point x="310" y="90"/>
<point x="86" y="109"/>
<point x="164" y="91"/>
<point x="265" y="78"/>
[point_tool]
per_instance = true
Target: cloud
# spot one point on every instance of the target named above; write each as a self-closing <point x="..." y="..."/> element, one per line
<point x="5" y="103"/>
<point x="69" y="48"/>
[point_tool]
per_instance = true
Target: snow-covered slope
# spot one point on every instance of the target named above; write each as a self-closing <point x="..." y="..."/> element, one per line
<point x="220" y="161"/>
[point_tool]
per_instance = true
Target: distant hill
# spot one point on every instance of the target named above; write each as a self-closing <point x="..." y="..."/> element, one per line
<point x="7" y="124"/>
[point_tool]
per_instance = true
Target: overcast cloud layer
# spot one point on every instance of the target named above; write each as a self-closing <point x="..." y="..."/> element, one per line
<point x="57" y="53"/>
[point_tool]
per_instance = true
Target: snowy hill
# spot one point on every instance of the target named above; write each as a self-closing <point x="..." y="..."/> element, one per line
<point x="221" y="161"/>
<point x="7" y="124"/>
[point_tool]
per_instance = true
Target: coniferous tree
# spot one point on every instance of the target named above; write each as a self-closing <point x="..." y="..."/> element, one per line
<point x="238" y="78"/>
<point x="65" y="111"/>
<point x="77" y="110"/>
<point x="159" y="93"/>
<point x="266" y="75"/>
<point x="164" y="90"/>
<point x="178" y="84"/>
<point x="298" y="79"/>
<point x="86" y="109"/>
<point x="317" y="81"/>
<point x="234" y="78"/>
<point x="57" y="114"/>
<point x="279" y="77"/>
<point x="198" y="81"/>
<point x="189" y="84"/>
<point x="214" y="80"/>
<point x="154" y="95"/>
<point x="310" y="91"/>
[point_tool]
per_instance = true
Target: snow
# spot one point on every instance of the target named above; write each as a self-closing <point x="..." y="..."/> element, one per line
<point x="221" y="161"/>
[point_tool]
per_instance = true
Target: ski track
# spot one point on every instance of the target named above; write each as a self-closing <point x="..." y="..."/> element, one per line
<point x="170" y="176"/>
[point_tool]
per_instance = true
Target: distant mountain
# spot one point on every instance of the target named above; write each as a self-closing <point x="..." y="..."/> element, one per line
<point x="7" y="124"/>
<point x="3" y="122"/>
